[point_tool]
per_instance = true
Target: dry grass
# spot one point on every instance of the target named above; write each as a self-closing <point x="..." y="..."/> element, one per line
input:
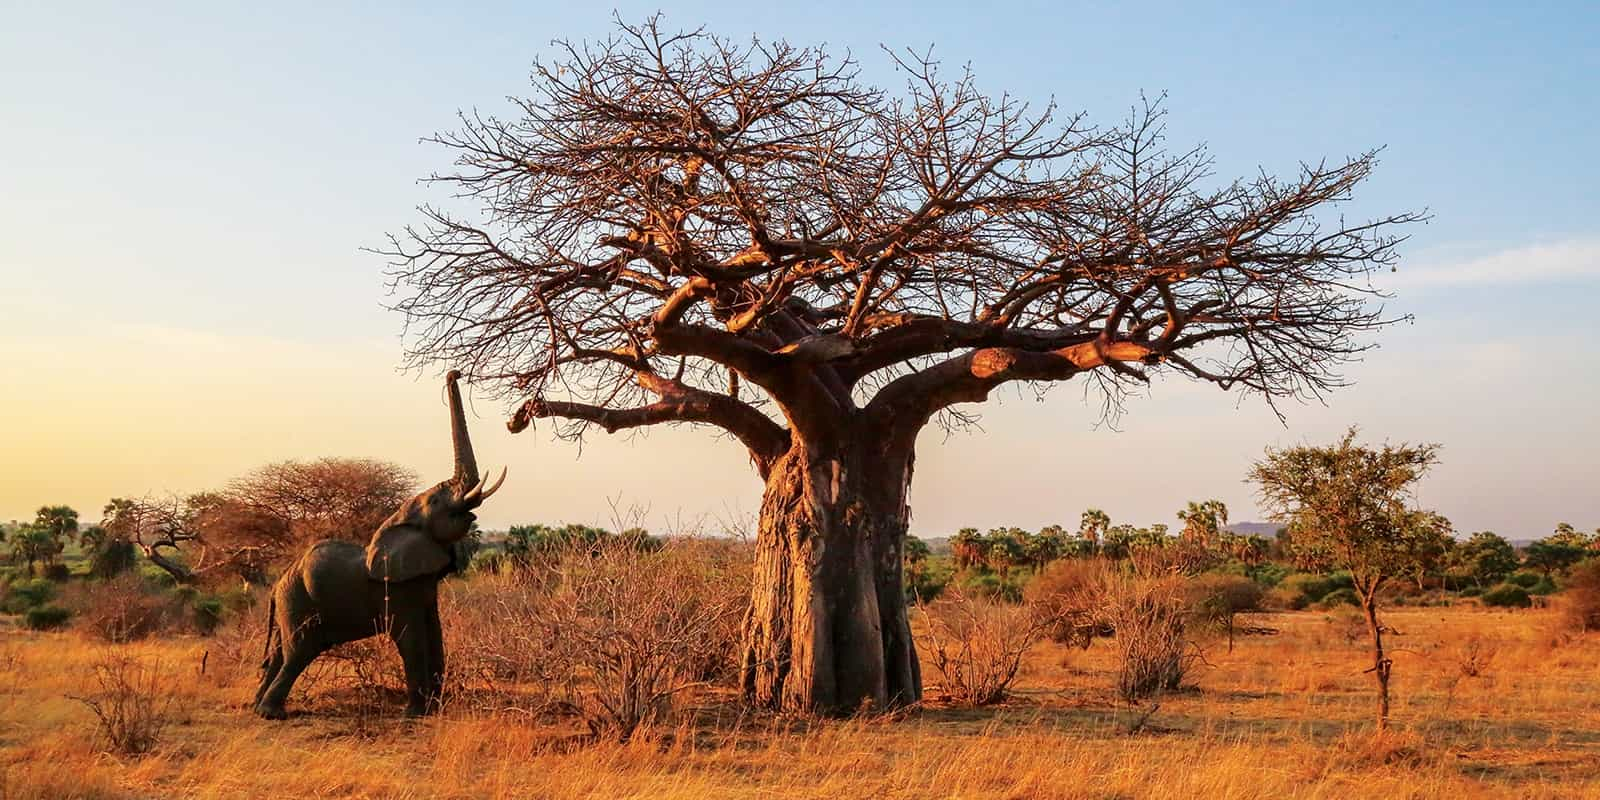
<point x="1280" y="716"/>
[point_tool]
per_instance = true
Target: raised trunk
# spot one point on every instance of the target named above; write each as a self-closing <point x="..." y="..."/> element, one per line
<point x="827" y="630"/>
<point x="466" y="474"/>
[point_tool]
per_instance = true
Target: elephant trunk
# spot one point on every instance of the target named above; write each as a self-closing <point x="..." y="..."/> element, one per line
<point x="466" y="475"/>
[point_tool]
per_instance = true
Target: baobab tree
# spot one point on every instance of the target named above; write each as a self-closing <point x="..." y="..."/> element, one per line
<point x="679" y="228"/>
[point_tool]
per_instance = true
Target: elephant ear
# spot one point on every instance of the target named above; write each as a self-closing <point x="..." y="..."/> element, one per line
<point x="403" y="552"/>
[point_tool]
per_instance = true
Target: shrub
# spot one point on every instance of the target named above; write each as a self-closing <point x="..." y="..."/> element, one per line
<point x="1314" y="588"/>
<point x="1267" y="573"/>
<point x="1064" y="598"/>
<point x="929" y="580"/>
<point x="57" y="572"/>
<point x="123" y="610"/>
<point x="1150" y="616"/>
<point x="1215" y="599"/>
<point x="46" y="617"/>
<point x="131" y="703"/>
<point x="1525" y="579"/>
<point x="1507" y="595"/>
<point x="1474" y="656"/>
<point x="1283" y="598"/>
<point x="25" y="594"/>
<point x="1340" y="597"/>
<point x="1543" y="587"/>
<point x="1581" y="604"/>
<point x="991" y="586"/>
<point x="977" y="645"/>
<point x="113" y="558"/>
<point x="609" y="630"/>
<point x="207" y="615"/>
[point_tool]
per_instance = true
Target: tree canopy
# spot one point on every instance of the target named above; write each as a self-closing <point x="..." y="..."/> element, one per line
<point x="670" y="217"/>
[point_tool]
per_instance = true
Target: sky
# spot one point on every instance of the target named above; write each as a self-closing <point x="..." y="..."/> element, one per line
<point x="185" y="192"/>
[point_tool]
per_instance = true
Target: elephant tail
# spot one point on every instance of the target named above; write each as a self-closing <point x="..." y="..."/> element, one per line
<point x="272" y="630"/>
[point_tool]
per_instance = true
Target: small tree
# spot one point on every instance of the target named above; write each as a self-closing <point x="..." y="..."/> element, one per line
<point x="1550" y="555"/>
<point x="1484" y="559"/>
<point x="61" y="522"/>
<point x="1007" y="548"/>
<point x="1094" y="525"/>
<point x="1349" y="507"/>
<point x="1204" y="522"/>
<point x="1569" y="536"/>
<point x="33" y="545"/>
<point x="967" y="548"/>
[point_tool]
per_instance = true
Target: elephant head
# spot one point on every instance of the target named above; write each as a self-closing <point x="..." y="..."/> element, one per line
<point x="416" y="540"/>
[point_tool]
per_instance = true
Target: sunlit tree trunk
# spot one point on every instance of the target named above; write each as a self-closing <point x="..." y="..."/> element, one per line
<point x="827" y="628"/>
<point x="1381" y="663"/>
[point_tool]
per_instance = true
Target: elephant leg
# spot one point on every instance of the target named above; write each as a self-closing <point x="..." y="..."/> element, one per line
<point x="411" y="639"/>
<point x="435" y="685"/>
<point x="296" y="657"/>
<point x="269" y="672"/>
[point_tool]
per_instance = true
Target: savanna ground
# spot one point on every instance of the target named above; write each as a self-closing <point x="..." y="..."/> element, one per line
<point x="1286" y="715"/>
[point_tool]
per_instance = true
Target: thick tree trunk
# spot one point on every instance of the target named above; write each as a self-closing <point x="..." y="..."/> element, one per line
<point x="827" y="629"/>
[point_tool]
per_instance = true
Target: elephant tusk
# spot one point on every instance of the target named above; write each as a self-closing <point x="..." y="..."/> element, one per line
<point x="469" y="494"/>
<point x="484" y="495"/>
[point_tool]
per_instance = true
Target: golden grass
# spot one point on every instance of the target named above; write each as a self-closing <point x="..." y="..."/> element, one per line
<point x="1280" y="716"/>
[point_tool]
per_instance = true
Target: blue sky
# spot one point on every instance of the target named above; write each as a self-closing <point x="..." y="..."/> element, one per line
<point x="186" y="188"/>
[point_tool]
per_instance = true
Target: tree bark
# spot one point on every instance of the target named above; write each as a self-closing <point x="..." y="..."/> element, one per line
<point x="827" y="629"/>
<point x="1380" y="662"/>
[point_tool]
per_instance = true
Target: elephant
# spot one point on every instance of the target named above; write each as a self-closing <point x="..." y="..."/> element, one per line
<point x="338" y="591"/>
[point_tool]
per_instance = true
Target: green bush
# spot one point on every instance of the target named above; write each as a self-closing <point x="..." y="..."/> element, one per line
<point x="1470" y="591"/>
<point x="1312" y="587"/>
<point x="988" y="585"/>
<point x="1507" y="595"/>
<point x="1283" y="598"/>
<point x="1525" y="579"/>
<point x="1267" y="573"/>
<point x="1543" y="587"/>
<point x="1340" y="597"/>
<point x="207" y="615"/>
<point x="57" y="572"/>
<point x="27" y="594"/>
<point x="930" y="580"/>
<point x="46" y="617"/>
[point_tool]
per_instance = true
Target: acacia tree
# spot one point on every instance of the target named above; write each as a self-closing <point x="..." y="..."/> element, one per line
<point x="678" y="228"/>
<point x="1350" y="507"/>
<point x="262" y="518"/>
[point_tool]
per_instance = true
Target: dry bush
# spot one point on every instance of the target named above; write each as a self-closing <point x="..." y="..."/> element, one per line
<point x="1173" y="557"/>
<point x="1581" y="599"/>
<point x="124" y="609"/>
<point x="371" y="666"/>
<point x="1065" y="599"/>
<point x="977" y="645"/>
<point x="1151" y="617"/>
<point x="485" y="620"/>
<point x="612" y="632"/>
<point x="1365" y="750"/>
<point x="1474" y="655"/>
<point x="132" y="703"/>
<point x="1217" y="600"/>
<point x="237" y="647"/>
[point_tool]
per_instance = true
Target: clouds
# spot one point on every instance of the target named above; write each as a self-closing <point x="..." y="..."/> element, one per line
<point x="1571" y="260"/>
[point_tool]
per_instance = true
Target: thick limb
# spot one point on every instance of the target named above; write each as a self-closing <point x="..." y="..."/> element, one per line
<point x="411" y="638"/>
<point x="434" y="689"/>
<point x="297" y="655"/>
